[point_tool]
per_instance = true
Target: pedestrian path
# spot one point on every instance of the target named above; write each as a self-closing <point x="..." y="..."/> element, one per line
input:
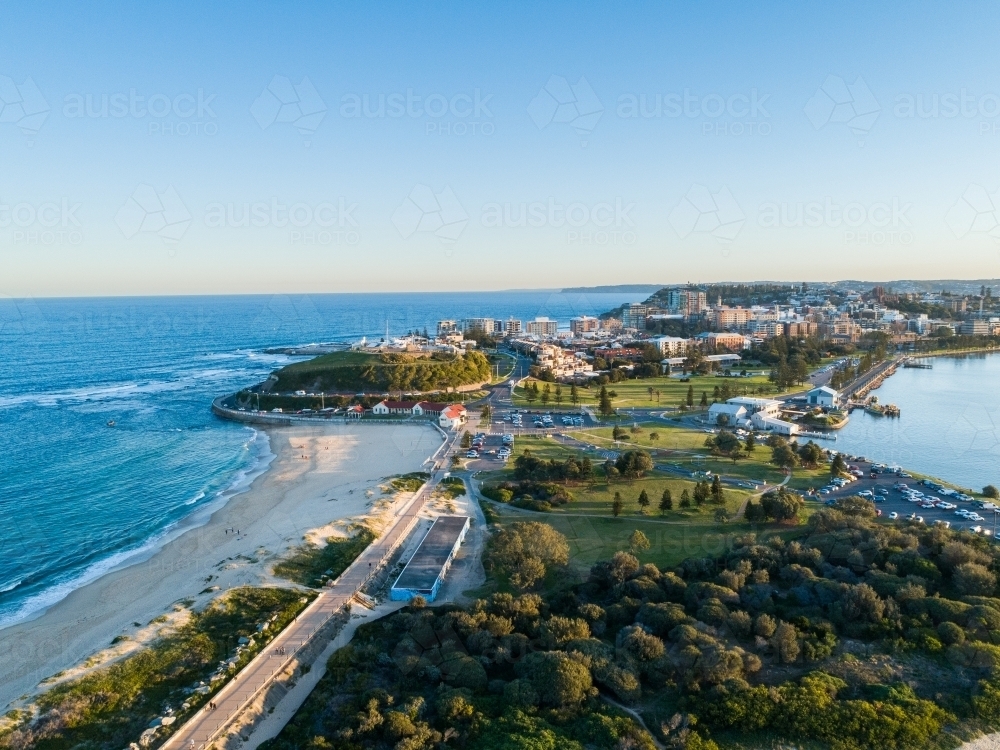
<point x="210" y="723"/>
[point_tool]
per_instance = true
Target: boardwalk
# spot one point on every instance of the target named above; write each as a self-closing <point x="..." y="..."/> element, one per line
<point x="208" y="725"/>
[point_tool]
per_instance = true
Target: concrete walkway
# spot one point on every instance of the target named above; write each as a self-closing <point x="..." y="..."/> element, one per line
<point x="210" y="724"/>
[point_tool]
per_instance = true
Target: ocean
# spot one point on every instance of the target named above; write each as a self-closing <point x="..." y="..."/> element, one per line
<point x="77" y="497"/>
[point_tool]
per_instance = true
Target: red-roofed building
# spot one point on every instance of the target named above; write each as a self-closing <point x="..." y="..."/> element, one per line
<point x="452" y="416"/>
<point x="383" y="408"/>
<point x="355" y="412"/>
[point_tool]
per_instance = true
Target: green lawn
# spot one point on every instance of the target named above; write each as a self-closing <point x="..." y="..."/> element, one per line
<point x="673" y="392"/>
<point x="594" y="534"/>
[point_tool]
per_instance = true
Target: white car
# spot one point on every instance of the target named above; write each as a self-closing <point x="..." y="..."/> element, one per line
<point x="975" y="517"/>
<point x="920" y="519"/>
<point x="962" y="512"/>
<point x="894" y="515"/>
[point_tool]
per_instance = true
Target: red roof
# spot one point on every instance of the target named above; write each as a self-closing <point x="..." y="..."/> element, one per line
<point x="453" y="411"/>
<point x="432" y="406"/>
<point x="400" y="404"/>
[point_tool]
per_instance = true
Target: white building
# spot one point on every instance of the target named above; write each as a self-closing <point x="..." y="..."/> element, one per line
<point x="765" y="406"/>
<point x="772" y="424"/>
<point x="734" y="415"/>
<point x="823" y="396"/>
<point x="670" y="346"/>
<point x="541" y="327"/>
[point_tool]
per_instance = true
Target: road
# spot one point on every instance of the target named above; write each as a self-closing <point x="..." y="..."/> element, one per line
<point x="206" y="725"/>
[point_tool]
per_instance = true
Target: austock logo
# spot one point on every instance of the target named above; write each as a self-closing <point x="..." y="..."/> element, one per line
<point x="423" y="210"/>
<point x="146" y="211"/>
<point x="837" y="101"/>
<point x="298" y="105"/>
<point x="22" y="105"/>
<point x="559" y="101"/>
<point x="702" y="211"/>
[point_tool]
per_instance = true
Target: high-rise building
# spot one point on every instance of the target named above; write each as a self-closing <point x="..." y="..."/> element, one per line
<point x="512" y="326"/>
<point x="542" y="327"/>
<point x="445" y="327"/>
<point x="478" y="325"/>
<point x="686" y="301"/>
<point x="583" y="324"/>
<point x="634" y="316"/>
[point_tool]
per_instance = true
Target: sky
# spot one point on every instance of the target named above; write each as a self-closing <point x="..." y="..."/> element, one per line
<point x="193" y="148"/>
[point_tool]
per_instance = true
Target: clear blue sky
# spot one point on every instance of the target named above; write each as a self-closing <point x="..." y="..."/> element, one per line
<point x="647" y="143"/>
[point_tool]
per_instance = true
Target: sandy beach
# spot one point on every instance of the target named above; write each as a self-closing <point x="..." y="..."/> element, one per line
<point x="318" y="476"/>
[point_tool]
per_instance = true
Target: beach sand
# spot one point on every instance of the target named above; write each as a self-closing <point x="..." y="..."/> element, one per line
<point x="319" y="475"/>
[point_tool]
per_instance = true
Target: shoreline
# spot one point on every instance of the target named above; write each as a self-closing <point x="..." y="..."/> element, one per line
<point x="317" y="476"/>
<point x="241" y="481"/>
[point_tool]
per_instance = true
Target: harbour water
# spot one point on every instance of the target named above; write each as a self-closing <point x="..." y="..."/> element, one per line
<point x="78" y="497"/>
<point x="950" y="423"/>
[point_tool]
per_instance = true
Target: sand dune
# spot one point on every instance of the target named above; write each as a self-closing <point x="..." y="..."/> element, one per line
<point x="319" y="475"/>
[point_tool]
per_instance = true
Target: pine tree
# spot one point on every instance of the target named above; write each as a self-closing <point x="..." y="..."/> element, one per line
<point x="685" y="499"/>
<point x="617" y="505"/>
<point x="666" y="501"/>
<point x="750" y="443"/>
<point x="704" y="398"/>
<point x="574" y="394"/>
<point x="716" y="489"/>
<point x="643" y="500"/>
<point x="604" y="403"/>
<point x="690" y="395"/>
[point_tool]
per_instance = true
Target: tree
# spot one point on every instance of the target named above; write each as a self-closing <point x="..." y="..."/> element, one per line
<point x="546" y="393"/>
<point x="466" y="440"/>
<point x="782" y="455"/>
<point x="690" y="395"/>
<point x="973" y="579"/>
<point x="643" y="500"/>
<point x="650" y="391"/>
<point x="604" y="407"/>
<point x="750" y="443"/>
<point x="666" y="501"/>
<point x="838" y="467"/>
<point x="785" y="643"/>
<point x="633" y="464"/>
<point x="704" y="398"/>
<point x="618" y="433"/>
<point x="617" y="505"/>
<point x="780" y="504"/>
<point x="638" y="541"/>
<point x="701" y="493"/>
<point x="811" y="454"/>
<point x="685" y="499"/>
<point x="522" y="551"/>
<point x="991" y="492"/>
<point x="557" y="679"/>
<point x="654" y="436"/>
<point x="574" y="394"/>
<point x="717" y="490"/>
<point x="558" y="394"/>
<point x="531" y="392"/>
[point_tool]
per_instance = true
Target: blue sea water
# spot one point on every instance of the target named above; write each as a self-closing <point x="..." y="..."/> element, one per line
<point x="77" y="497"/>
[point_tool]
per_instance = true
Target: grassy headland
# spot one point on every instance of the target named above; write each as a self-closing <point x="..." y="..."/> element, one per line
<point x="352" y="372"/>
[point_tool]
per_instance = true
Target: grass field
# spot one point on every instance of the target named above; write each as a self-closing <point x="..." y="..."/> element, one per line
<point x="681" y="446"/>
<point x="594" y="534"/>
<point x="673" y="392"/>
